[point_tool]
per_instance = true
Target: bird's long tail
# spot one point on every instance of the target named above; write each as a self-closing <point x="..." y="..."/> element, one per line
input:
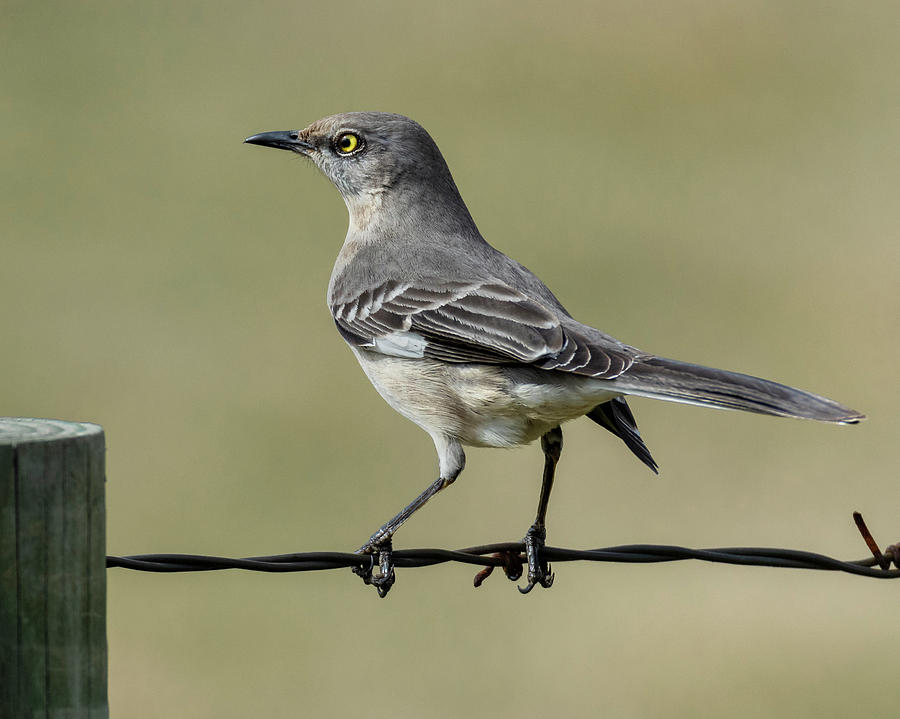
<point x="662" y="378"/>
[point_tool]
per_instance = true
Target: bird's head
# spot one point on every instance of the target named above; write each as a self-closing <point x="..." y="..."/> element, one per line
<point x="365" y="152"/>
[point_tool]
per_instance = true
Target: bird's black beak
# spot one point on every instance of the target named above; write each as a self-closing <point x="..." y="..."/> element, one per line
<point x="283" y="140"/>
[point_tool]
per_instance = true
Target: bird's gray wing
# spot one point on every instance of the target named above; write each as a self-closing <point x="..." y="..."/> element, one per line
<point x="485" y="322"/>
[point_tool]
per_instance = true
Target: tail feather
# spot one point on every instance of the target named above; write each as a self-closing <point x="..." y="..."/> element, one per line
<point x="616" y="416"/>
<point x="661" y="378"/>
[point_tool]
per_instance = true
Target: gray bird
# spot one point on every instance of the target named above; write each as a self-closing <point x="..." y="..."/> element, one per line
<point x="469" y="344"/>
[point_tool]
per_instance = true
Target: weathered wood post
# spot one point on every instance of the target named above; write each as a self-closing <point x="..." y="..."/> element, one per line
<point x="52" y="570"/>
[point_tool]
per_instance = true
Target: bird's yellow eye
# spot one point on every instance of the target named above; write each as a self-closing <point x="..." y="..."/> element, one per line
<point x="346" y="143"/>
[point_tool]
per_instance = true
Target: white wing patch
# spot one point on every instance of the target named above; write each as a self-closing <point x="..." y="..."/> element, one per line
<point x="401" y="344"/>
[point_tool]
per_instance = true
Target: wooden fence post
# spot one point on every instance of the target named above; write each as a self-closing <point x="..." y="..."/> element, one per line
<point x="52" y="570"/>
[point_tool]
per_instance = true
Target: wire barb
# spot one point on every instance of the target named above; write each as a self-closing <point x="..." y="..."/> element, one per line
<point x="512" y="564"/>
<point x="883" y="561"/>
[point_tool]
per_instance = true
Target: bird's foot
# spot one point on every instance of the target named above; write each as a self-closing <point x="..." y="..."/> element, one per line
<point x="380" y="575"/>
<point x="538" y="568"/>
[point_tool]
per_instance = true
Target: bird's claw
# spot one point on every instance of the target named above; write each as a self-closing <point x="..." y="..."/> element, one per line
<point x="380" y="576"/>
<point x="538" y="569"/>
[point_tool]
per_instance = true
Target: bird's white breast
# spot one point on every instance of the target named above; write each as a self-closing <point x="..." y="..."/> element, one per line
<point x="478" y="404"/>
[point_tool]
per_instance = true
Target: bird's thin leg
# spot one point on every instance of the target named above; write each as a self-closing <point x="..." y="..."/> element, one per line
<point x="380" y="542"/>
<point x="538" y="569"/>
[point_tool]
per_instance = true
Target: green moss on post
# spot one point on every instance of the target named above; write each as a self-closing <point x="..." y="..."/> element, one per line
<point x="52" y="570"/>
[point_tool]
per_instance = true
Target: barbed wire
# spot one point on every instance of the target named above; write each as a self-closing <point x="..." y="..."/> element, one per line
<point x="509" y="556"/>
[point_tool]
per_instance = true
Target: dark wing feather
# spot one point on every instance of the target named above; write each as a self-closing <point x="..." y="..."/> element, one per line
<point x="486" y="322"/>
<point x="616" y="416"/>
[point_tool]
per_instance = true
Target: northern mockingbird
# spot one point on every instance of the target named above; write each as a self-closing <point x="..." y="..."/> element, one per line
<point x="469" y="344"/>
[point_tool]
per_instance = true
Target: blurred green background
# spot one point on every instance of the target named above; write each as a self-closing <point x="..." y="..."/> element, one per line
<point x="716" y="182"/>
